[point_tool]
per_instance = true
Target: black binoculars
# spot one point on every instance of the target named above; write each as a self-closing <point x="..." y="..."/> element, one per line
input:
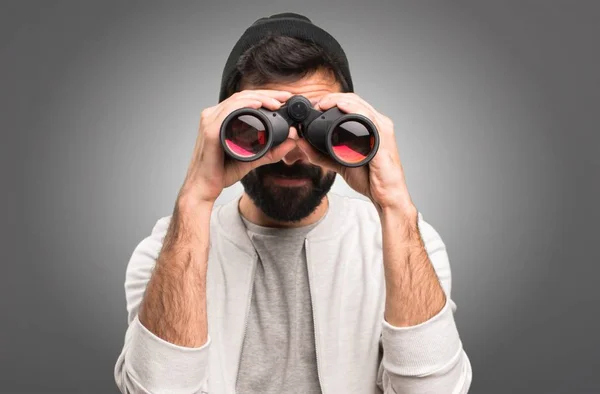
<point x="352" y="140"/>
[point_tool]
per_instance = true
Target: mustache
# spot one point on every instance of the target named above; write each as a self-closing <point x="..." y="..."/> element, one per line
<point x="296" y="170"/>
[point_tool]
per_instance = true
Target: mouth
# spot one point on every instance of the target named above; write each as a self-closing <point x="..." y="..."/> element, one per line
<point x="288" y="181"/>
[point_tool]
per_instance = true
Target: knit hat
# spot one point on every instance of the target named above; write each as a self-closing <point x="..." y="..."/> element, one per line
<point x="290" y="25"/>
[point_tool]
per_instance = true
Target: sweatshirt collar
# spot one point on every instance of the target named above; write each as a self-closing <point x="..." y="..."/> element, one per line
<point x="231" y="226"/>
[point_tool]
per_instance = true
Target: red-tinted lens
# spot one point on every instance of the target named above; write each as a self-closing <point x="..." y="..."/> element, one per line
<point x="245" y="135"/>
<point x="352" y="141"/>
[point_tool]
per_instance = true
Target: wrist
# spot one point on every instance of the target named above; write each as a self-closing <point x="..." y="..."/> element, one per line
<point x="406" y="213"/>
<point x="395" y="202"/>
<point x="400" y="226"/>
<point x="187" y="236"/>
<point x="188" y="201"/>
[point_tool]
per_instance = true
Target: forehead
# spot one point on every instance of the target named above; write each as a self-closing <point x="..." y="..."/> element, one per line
<point x="313" y="86"/>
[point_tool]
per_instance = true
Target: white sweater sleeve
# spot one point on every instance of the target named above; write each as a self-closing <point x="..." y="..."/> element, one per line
<point x="428" y="357"/>
<point x="147" y="363"/>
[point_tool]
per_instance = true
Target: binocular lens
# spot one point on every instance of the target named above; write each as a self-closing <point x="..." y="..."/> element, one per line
<point x="352" y="141"/>
<point x="245" y="135"/>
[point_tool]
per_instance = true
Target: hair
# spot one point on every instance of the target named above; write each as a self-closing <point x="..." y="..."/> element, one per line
<point x="283" y="59"/>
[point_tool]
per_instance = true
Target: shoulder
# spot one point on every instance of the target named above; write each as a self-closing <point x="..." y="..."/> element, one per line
<point x="356" y="209"/>
<point x="146" y="252"/>
<point x="364" y="213"/>
<point x="152" y="243"/>
<point x="361" y="216"/>
<point x="161" y="226"/>
<point x="358" y="221"/>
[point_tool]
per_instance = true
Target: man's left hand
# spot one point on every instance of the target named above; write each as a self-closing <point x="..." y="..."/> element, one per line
<point x="382" y="179"/>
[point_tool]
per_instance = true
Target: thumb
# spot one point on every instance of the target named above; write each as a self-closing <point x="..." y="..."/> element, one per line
<point x="274" y="154"/>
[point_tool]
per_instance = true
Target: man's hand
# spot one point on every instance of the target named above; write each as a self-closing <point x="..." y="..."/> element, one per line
<point x="174" y="303"/>
<point x="209" y="172"/>
<point x="382" y="180"/>
<point x="413" y="291"/>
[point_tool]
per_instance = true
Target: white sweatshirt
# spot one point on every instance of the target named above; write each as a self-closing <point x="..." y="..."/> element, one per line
<point x="357" y="351"/>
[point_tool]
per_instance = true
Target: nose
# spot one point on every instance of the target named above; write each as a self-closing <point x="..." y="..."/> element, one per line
<point x="295" y="154"/>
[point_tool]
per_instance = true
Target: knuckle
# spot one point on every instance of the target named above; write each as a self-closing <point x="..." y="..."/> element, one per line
<point x="210" y="136"/>
<point x="248" y="95"/>
<point x="388" y="121"/>
<point x="247" y="92"/>
<point x="204" y="114"/>
<point x="239" y="94"/>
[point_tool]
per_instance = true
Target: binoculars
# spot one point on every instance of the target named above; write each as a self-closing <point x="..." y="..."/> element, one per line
<point x="352" y="140"/>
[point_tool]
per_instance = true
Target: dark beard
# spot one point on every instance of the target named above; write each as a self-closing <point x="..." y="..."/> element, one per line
<point x="287" y="204"/>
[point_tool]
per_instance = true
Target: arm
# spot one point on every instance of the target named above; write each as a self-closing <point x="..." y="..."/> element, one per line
<point x="422" y="351"/>
<point x="413" y="290"/>
<point x="167" y="343"/>
<point x="174" y="307"/>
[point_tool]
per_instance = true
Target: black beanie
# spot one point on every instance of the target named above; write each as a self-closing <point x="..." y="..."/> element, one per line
<point x="290" y="25"/>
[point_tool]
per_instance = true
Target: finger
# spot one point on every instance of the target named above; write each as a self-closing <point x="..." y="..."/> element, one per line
<point x="330" y="100"/>
<point x="378" y="119"/>
<point x="325" y="102"/>
<point x="271" y="100"/>
<point x="317" y="158"/>
<point x="351" y="103"/>
<point x="208" y="114"/>
<point x="357" y="108"/>
<point x="276" y="154"/>
<point x="364" y="102"/>
<point x="346" y="99"/>
<point x="276" y="97"/>
<point x="211" y="132"/>
<point x="281" y="95"/>
<point x="230" y="106"/>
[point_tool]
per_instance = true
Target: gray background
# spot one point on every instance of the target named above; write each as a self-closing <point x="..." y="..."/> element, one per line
<point x="496" y="106"/>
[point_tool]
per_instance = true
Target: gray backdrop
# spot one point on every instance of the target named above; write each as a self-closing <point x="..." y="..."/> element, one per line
<point x="496" y="106"/>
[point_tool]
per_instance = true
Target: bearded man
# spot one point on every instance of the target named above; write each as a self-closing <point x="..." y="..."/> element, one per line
<point x="291" y="288"/>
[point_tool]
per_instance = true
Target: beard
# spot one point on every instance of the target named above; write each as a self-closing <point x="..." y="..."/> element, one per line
<point x="287" y="203"/>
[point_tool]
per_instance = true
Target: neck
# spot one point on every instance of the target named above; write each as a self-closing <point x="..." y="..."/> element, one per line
<point x="252" y="213"/>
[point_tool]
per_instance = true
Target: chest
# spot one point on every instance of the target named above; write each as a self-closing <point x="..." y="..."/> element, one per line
<point x="340" y="289"/>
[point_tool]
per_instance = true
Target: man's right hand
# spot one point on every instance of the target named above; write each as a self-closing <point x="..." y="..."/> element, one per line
<point x="209" y="171"/>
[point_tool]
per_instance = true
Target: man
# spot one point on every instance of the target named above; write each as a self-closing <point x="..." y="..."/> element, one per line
<point x="290" y="288"/>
